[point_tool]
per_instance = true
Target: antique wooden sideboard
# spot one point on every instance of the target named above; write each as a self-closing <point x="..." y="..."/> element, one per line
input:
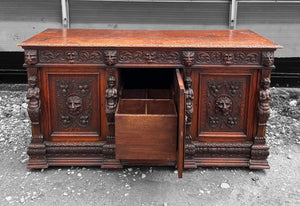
<point x="112" y="98"/>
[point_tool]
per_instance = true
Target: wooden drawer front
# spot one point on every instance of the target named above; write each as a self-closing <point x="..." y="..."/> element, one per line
<point x="146" y="130"/>
<point x="74" y="106"/>
<point x="226" y="105"/>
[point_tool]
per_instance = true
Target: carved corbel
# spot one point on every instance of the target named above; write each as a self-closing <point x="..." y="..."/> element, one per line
<point x="259" y="149"/>
<point x="36" y="149"/>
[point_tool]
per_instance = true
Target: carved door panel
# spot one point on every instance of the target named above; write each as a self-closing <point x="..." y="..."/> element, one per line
<point x="72" y="105"/>
<point x="180" y="104"/>
<point x="226" y="105"/>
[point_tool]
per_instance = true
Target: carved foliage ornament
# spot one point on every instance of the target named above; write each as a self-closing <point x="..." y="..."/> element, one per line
<point x="74" y="99"/>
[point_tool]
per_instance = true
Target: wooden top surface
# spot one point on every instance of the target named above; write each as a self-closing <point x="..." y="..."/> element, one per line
<point x="149" y="38"/>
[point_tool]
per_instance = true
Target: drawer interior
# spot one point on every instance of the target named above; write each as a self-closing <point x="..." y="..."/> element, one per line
<point x="146" y="107"/>
<point x="146" y="94"/>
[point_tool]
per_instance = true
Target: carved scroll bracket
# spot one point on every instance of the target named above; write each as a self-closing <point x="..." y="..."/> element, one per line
<point x="36" y="149"/>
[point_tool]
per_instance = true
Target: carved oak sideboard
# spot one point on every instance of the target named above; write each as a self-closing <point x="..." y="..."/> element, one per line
<point x="112" y="98"/>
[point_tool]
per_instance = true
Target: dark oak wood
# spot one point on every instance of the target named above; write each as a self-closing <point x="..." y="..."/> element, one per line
<point x="91" y="102"/>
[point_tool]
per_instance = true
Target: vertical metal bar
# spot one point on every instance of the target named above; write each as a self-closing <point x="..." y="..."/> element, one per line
<point x="65" y="13"/>
<point x="233" y="14"/>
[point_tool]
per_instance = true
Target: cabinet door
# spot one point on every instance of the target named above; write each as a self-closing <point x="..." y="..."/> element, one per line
<point x="72" y="104"/>
<point x="180" y="104"/>
<point x="227" y="104"/>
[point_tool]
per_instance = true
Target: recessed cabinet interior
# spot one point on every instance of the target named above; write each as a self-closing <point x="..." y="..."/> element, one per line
<point x="113" y="98"/>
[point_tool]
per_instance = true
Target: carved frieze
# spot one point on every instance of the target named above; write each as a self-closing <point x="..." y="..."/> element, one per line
<point x="74" y="99"/>
<point x="222" y="149"/>
<point x="74" y="148"/>
<point x="227" y="57"/>
<point x="149" y="56"/>
<point x="63" y="56"/>
<point x="224" y="99"/>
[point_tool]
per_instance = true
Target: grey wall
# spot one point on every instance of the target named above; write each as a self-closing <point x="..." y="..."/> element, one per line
<point x="21" y="19"/>
<point x="147" y="15"/>
<point x="279" y="22"/>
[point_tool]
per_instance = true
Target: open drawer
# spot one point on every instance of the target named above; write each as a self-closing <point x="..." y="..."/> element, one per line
<point x="146" y="129"/>
<point x="150" y="125"/>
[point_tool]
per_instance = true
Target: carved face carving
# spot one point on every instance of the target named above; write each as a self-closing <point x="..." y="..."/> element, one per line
<point x="188" y="82"/>
<point x="268" y="59"/>
<point x="188" y="58"/>
<point x="111" y="81"/>
<point x="72" y="56"/>
<point x="265" y="83"/>
<point x="228" y="58"/>
<point x="33" y="81"/>
<point x="30" y="57"/>
<point x="110" y="57"/>
<point x="74" y="104"/>
<point x="150" y="56"/>
<point x="224" y="105"/>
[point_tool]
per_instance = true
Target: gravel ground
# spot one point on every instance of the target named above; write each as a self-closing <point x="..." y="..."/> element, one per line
<point x="150" y="185"/>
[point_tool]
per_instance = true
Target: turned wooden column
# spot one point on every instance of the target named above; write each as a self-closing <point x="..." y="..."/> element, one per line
<point x="111" y="96"/>
<point x="259" y="149"/>
<point x="36" y="148"/>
